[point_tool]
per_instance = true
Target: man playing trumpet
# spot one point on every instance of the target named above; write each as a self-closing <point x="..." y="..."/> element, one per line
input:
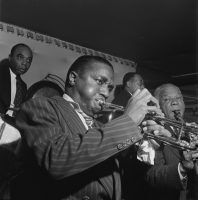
<point x="69" y="156"/>
<point x="171" y="175"/>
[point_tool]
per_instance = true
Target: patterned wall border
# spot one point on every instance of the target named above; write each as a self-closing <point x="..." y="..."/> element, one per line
<point x="21" y="32"/>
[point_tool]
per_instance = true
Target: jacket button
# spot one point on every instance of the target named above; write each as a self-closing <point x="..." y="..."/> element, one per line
<point x="120" y="146"/>
<point x="86" y="198"/>
<point x="132" y="139"/>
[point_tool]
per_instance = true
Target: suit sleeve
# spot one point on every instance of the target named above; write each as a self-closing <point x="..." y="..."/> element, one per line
<point x="163" y="174"/>
<point x="64" y="153"/>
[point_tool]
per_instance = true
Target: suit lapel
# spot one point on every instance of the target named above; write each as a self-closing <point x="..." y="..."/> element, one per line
<point x="76" y="126"/>
<point x="5" y="83"/>
<point x="70" y="116"/>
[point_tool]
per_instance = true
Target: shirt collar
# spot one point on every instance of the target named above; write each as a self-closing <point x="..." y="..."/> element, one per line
<point x="13" y="75"/>
<point x="72" y="102"/>
<point x="67" y="97"/>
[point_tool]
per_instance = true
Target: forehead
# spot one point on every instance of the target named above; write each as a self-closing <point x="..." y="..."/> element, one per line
<point x="136" y="77"/>
<point x="23" y="50"/>
<point x="100" y="69"/>
<point x="171" y="91"/>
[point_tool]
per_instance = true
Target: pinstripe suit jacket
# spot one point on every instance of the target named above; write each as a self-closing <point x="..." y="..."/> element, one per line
<point x="81" y="164"/>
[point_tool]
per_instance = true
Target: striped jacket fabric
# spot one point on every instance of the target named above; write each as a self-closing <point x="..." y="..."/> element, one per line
<point x="78" y="163"/>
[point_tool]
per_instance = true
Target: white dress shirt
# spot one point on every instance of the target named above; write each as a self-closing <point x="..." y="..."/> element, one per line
<point x="13" y="92"/>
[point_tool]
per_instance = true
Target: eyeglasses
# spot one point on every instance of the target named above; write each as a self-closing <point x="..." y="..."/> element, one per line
<point x="171" y="99"/>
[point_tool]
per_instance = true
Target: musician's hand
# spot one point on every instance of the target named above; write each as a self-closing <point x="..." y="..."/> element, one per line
<point x="192" y="156"/>
<point x="137" y="106"/>
<point x="152" y="127"/>
<point x="189" y="160"/>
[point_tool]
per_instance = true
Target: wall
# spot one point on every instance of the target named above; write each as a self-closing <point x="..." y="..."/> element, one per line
<point x="52" y="55"/>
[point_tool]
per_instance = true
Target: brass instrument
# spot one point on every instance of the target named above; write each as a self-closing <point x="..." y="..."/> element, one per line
<point x="188" y="132"/>
<point x="112" y="107"/>
<point x="186" y="137"/>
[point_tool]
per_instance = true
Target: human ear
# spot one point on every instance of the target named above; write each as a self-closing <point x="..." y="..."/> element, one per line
<point x="128" y="83"/>
<point x="72" y="78"/>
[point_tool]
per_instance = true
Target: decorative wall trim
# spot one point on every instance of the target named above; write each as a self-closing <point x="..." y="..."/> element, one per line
<point x="22" y="32"/>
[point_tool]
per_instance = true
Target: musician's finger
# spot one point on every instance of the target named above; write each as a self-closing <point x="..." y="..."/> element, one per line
<point x="155" y="127"/>
<point x="187" y="155"/>
<point x="148" y="122"/>
<point x="152" y="109"/>
<point x="195" y="155"/>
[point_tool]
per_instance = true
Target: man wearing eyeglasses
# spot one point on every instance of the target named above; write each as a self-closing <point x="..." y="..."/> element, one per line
<point x="12" y="88"/>
<point x="174" y="173"/>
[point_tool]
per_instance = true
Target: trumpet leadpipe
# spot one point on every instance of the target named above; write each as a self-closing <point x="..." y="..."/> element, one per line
<point x="111" y="106"/>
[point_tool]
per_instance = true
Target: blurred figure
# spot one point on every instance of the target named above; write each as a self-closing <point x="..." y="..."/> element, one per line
<point x="12" y="88"/>
<point x="131" y="82"/>
<point x="133" y="170"/>
<point x="169" y="178"/>
<point x="12" y="93"/>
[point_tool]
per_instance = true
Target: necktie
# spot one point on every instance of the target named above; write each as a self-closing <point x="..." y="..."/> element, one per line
<point x="19" y="92"/>
<point x="88" y="120"/>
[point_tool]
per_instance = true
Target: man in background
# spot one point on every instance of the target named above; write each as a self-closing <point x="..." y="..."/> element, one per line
<point x="171" y="175"/>
<point x="12" y="88"/>
<point x="131" y="82"/>
<point x="133" y="170"/>
<point x="12" y="93"/>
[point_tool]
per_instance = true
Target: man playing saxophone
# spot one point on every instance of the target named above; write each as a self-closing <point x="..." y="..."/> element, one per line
<point x="171" y="176"/>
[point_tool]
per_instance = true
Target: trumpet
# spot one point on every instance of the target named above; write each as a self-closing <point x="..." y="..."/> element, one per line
<point x="188" y="132"/>
<point x="111" y="106"/>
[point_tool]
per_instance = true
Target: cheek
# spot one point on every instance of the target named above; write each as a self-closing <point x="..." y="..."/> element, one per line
<point x="165" y="109"/>
<point x="91" y="90"/>
<point x="88" y="91"/>
<point x="183" y="107"/>
<point x="27" y="67"/>
<point x="17" y="64"/>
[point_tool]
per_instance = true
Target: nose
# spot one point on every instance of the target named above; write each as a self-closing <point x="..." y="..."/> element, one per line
<point x="104" y="90"/>
<point x="24" y="61"/>
<point x="174" y="101"/>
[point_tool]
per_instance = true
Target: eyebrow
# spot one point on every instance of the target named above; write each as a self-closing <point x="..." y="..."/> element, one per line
<point x="23" y="55"/>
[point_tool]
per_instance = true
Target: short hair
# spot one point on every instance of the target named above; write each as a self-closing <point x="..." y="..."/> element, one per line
<point x="80" y="65"/>
<point x="19" y="45"/>
<point x="158" y="93"/>
<point x="127" y="77"/>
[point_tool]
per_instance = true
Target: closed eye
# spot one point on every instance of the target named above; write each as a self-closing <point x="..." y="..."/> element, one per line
<point x="99" y="81"/>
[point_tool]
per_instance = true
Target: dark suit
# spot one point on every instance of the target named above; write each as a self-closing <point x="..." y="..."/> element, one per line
<point x="9" y="162"/>
<point x="5" y="86"/>
<point x="133" y="169"/>
<point x="79" y="164"/>
<point x="163" y="178"/>
<point x="122" y="97"/>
